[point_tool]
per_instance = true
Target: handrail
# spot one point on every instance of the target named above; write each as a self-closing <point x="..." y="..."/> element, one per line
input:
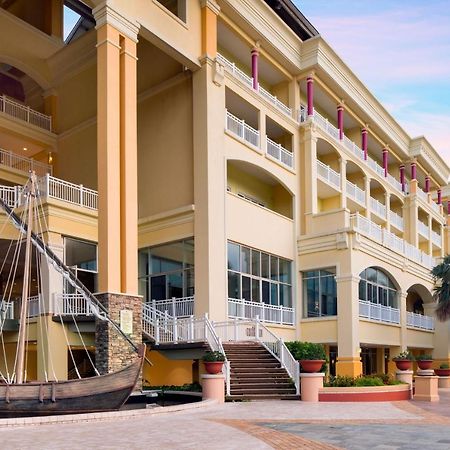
<point x="24" y="164"/>
<point x="278" y="152"/>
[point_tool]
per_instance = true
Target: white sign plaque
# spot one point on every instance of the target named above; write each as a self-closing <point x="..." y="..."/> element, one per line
<point x="126" y="321"/>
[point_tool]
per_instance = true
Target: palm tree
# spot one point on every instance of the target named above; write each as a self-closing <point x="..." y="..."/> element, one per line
<point x="441" y="274"/>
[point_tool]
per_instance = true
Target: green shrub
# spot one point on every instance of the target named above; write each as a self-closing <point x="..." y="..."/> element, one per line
<point x="424" y="357"/>
<point x="340" y="381"/>
<point x="368" y="381"/>
<point x="444" y="366"/>
<point x="385" y="378"/>
<point x="213" y="357"/>
<point x="191" y="387"/>
<point x="407" y="355"/>
<point x="394" y="382"/>
<point x="306" y="350"/>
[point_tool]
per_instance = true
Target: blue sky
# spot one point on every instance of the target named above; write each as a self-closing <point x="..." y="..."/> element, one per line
<point x="401" y="50"/>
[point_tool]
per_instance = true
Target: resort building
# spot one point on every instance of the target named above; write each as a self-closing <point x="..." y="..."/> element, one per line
<point x="213" y="157"/>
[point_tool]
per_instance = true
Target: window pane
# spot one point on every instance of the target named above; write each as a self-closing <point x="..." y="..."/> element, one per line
<point x="274" y="268"/>
<point x="328" y="296"/>
<point x="189" y="253"/>
<point x="189" y="283"/>
<point x="273" y="294"/>
<point x="233" y="257"/>
<point x="285" y="271"/>
<point x="143" y="288"/>
<point x="312" y="297"/>
<point x="234" y="288"/>
<point x="245" y="260"/>
<point x="255" y="291"/>
<point x="371" y="275"/>
<point x="328" y="272"/>
<point x="265" y="291"/>
<point x="362" y="290"/>
<point x="143" y="262"/>
<point x="265" y="265"/>
<point x="311" y="274"/>
<point x="382" y="278"/>
<point x="392" y="299"/>
<point x="80" y="254"/>
<point x="246" y="288"/>
<point x="255" y="262"/>
<point x="175" y="285"/>
<point x="158" y="288"/>
<point x="285" y="295"/>
<point x="167" y="257"/>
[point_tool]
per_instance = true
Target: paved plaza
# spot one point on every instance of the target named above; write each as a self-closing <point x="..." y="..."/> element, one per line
<point x="246" y="425"/>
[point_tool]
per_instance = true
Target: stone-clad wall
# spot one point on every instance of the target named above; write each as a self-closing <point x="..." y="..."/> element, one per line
<point x="112" y="351"/>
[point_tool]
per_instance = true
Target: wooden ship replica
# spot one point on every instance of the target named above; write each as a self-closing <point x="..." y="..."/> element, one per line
<point x="19" y="398"/>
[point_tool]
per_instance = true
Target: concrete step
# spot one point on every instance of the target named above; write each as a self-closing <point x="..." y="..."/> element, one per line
<point x="266" y="385"/>
<point x="254" y="370"/>
<point x="238" y="398"/>
<point x="266" y="391"/>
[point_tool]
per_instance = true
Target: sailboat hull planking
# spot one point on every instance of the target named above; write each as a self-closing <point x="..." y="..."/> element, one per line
<point x="96" y="394"/>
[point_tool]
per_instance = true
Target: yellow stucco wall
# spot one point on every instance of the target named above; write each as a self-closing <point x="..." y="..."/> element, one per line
<point x="165" y="371"/>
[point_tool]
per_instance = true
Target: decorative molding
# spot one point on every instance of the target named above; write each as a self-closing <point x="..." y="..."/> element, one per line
<point x="104" y="14"/>
<point x="210" y="4"/>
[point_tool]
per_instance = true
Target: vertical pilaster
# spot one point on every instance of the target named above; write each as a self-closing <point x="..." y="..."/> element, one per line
<point x="310" y="171"/>
<point x="413" y="170"/>
<point x="364" y="141"/>
<point x="343" y="172"/>
<point x="51" y="108"/>
<point x="255" y="57"/>
<point x="402" y="176"/>
<point x="349" y="358"/>
<point x="310" y="95"/>
<point x="294" y="98"/>
<point x="385" y="161"/>
<point x="427" y="184"/>
<point x="209" y="11"/>
<point x="340" y="121"/>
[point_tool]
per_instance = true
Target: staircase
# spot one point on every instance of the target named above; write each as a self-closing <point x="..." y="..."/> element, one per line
<point x="255" y="374"/>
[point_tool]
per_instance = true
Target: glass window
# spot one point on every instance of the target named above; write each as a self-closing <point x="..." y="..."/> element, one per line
<point x="246" y="288"/>
<point x="285" y="271"/>
<point x="245" y="260"/>
<point x="378" y="286"/>
<point x="320" y="293"/>
<point x="233" y="257"/>
<point x="265" y="292"/>
<point x="256" y="262"/>
<point x="265" y="265"/>
<point x="234" y="285"/>
<point x="80" y="254"/>
<point x="274" y="268"/>
<point x="274" y="293"/>
<point x="255" y="290"/>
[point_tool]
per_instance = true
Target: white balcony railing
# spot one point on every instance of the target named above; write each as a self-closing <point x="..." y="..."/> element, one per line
<point x="419" y="321"/>
<point x="11" y="195"/>
<point x="377" y="312"/>
<point x="436" y="239"/>
<point x="24" y="164"/>
<point x="76" y="194"/>
<point x="378" y="208"/>
<point x="422" y="195"/>
<point x="327" y="174"/>
<point x="243" y="309"/>
<point x="423" y="229"/>
<point x="241" y="129"/>
<point x="435" y="207"/>
<point x="356" y="193"/>
<point x="6" y="310"/>
<point x="396" y="221"/>
<point x="391" y="241"/>
<point x="278" y="152"/>
<point x="35" y="307"/>
<point x="71" y="305"/>
<point x="175" y="307"/>
<point x="25" y="113"/>
<point x="237" y="73"/>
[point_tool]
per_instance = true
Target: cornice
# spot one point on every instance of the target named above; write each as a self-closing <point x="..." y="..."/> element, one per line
<point x="210" y="4"/>
<point x="105" y="14"/>
<point x="178" y="216"/>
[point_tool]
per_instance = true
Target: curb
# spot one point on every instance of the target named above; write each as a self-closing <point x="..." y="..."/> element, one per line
<point x="103" y="416"/>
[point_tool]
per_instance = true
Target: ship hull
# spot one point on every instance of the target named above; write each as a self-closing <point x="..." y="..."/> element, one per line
<point x="97" y="394"/>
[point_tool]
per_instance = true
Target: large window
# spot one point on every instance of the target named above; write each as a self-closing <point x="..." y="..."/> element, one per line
<point x="376" y="287"/>
<point x="319" y="293"/>
<point x="176" y="7"/>
<point x="258" y="276"/>
<point x="167" y="270"/>
<point x="81" y="256"/>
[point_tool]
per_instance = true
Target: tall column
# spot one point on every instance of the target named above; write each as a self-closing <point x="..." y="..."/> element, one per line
<point x="128" y="166"/>
<point x="255" y="57"/>
<point x="343" y="172"/>
<point x="340" y="121"/>
<point x="402" y="176"/>
<point x="427" y="184"/>
<point x="310" y="95"/>
<point x="310" y="171"/>
<point x="413" y="170"/>
<point x="385" y="161"/>
<point x="349" y="358"/>
<point x="294" y="98"/>
<point x="439" y="196"/>
<point x="209" y="183"/>
<point x="364" y="141"/>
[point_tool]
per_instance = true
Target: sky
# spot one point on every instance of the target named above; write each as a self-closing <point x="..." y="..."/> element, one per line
<point x="400" y="49"/>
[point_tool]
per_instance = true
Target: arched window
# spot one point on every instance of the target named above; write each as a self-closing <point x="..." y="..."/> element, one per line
<point x="377" y="287"/>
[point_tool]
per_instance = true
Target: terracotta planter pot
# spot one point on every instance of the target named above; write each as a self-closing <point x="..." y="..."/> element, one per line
<point x="425" y="364"/>
<point x="213" y="367"/>
<point x="442" y="372"/>
<point x="403" y="364"/>
<point x="311" y="365"/>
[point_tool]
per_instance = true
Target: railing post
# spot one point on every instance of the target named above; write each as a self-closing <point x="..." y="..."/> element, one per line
<point x="47" y="185"/>
<point x="257" y="327"/>
<point x="28" y="114"/>
<point x="191" y="329"/>
<point x="243" y="128"/>
<point x="175" y="329"/>
<point x="153" y="304"/>
<point x="235" y="329"/>
<point x="157" y="331"/>
<point x="280" y="351"/>
<point x="81" y="195"/>
<point x="173" y="307"/>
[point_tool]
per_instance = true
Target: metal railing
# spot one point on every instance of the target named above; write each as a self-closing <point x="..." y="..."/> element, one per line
<point x="254" y="330"/>
<point x="241" y="129"/>
<point x="419" y="321"/>
<point x="391" y="241"/>
<point x="6" y="310"/>
<point x="329" y="175"/>
<point x="396" y="220"/>
<point x="175" y="307"/>
<point x="377" y="312"/>
<point x="11" y="195"/>
<point x="422" y="195"/>
<point x="378" y="208"/>
<point x="35" y="307"/>
<point x="237" y="73"/>
<point x="24" y="164"/>
<point x="25" y="113"/>
<point x="278" y="152"/>
<point x="435" y="207"/>
<point x="76" y="194"/>
<point x="71" y="305"/>
<point x="244" y="309"/>
<point x="355" y="193"/>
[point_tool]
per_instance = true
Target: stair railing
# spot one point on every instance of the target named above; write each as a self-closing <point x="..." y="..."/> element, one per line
<point x="255" y="330"/>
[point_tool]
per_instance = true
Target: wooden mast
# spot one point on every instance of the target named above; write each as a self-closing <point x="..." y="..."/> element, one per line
<point x="25" y="288"/>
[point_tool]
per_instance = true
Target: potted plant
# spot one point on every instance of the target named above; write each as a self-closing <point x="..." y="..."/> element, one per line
<point x="311" y="356"/>
<point x="213" y="362"/>
<point x="443" y="371"/>
<point x="424" y="361"/>
<point x="404" y="360"/>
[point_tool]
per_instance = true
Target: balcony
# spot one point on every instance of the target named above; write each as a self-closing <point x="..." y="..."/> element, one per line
<point x="175" y="307"/>
<point x="243" y="309"/>
<point x="355" y="193"/>
<point x="71" y="305"/>
<point x="328" y="175"/>
<point x="6" y="310"/>
<point x="396" y="221"/>
<point x="24" y="113"/>
<point x="242" y="130"/>
<point x="378" y="208"/>
<point x="23" y="164"/>
<point x="389" y="240"/>
<point x="379" y="313"/>
<point x="423" y="229"/>
<point x="436" y="239"/>
<point x="419" y="321"/>
<point x="245" y="79"/>
<point x="279" y="153"/>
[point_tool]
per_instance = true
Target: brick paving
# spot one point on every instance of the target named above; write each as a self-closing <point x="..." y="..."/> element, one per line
<point x="245" y="425"/>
